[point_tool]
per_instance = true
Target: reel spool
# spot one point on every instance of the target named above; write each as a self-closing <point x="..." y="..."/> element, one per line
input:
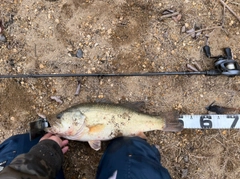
<point x="224" y="64"/>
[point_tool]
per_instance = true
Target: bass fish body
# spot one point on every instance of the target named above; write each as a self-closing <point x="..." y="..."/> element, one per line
<point x="97" y="122"/>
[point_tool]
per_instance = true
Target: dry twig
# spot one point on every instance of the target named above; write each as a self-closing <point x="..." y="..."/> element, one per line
<point x="78" y="88"/>
<point x="224" y="4"/>
<point x="169" y="15"/>
<point x="57" y="99"/>
<point x="235" y="3"/>
<point x="223" y="17"/>
<point x="200" y="30"/>
<point x="190" y="67"/>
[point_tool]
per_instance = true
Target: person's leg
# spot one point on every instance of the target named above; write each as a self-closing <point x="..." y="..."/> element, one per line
<point x="131" y="157"/>
<point x="16" y="145"/>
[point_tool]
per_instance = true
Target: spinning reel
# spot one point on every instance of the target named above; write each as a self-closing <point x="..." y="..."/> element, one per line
<point x="224" y="65"/>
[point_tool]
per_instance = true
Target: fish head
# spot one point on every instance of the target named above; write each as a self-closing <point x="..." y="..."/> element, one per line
<point x="68" y="124"/>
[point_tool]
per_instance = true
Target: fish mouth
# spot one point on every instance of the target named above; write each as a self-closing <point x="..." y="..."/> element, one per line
<point x="67" y="131"/>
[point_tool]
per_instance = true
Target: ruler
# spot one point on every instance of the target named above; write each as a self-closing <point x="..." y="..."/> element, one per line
<point x="216" y="121"/>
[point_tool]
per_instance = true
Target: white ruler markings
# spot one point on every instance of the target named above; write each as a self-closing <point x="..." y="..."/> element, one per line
<point x="210" y="121"/>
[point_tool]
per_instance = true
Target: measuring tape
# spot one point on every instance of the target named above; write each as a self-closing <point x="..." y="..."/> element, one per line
<point x="210" y="121"/>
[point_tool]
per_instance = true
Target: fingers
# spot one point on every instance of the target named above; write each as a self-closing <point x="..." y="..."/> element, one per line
<point x="64" y="143"/>
<point x="61" y="143"/>
<point x="46" y="136"/>
<point x="65" y="149"/>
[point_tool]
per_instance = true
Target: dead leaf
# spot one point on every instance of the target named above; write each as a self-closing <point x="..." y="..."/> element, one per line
<point x="177" y="18"/>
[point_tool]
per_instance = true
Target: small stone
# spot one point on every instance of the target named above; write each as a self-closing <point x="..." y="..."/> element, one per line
<point x="186" y="25"/>
<point x="11" y="62"/>
<point x="100" y="96"/>
<point x="109" y="31"/>
<point x="186" y="159"/>
<point x="79" y="53"/>
<point x="12" y="118"/>
<point x="57" y="21"/>
<point x="3" y="38"/>
<point x="224" y="132"/>
<point x="231" y="23"/>
<point x="69" y="49"/>
<point x="184" y="173"/>
<point x="183" y="29"/>
<point x="41" y="66"/>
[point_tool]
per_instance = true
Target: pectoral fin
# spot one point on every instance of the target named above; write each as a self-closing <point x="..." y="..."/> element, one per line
<point x="95" y="144"/>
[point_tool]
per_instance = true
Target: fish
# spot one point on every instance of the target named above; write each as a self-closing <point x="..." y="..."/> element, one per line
<point x="94" y="123"/>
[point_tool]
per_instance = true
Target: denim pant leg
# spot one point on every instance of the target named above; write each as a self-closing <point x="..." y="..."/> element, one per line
<point x="131" y="157"/>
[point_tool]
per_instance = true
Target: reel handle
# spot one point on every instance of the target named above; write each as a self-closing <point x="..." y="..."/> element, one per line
<point x="228" y="53"/>
<point x="207" y="51"/>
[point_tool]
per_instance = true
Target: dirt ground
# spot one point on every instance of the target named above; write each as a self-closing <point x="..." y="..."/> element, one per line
<point x="123" y="36"/>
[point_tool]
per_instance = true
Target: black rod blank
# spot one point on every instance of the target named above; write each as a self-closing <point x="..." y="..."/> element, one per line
<point x="103" y="75"/>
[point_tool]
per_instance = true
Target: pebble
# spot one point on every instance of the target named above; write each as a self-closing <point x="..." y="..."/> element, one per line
<point x="100" y="96"/>
<point x="186" y="25"/>
<point x="41" y="66"/>
<point x="57" y="21"/>
<point x="231" y="23"/>
<point x="183" y="29"/>
<point x="184" y="173"/>
<point x="11" y="62"/>
<point x="79" y="53"/>
<point x="3" y="38"/>
<point x="186" y="159"/>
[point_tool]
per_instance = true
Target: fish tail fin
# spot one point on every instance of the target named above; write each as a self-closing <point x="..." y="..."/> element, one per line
<point x="172" y="124"/>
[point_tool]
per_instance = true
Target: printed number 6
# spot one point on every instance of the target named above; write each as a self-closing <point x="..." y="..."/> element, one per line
<point x="205" y="123"/>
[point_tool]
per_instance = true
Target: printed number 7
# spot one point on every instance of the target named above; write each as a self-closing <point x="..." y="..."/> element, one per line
<point x="205" y="123"/>
<point x="234" y="122"/>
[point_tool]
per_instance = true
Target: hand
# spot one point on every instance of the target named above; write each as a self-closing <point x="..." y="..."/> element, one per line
<point x="61" y="143"/>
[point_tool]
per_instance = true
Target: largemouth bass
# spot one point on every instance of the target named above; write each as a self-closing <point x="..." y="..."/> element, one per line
<point x="99" y="122"/>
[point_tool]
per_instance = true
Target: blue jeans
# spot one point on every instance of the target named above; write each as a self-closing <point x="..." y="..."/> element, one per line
<point x="131" y="158"/>
<point x="16" y="145"/>
<point x="127" y="157"/>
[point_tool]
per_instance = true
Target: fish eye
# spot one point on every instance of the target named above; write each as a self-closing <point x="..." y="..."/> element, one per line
<point x="59" y="115"/>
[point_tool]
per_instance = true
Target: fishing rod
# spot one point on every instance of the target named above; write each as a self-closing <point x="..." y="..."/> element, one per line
<point x="224" y="65"/>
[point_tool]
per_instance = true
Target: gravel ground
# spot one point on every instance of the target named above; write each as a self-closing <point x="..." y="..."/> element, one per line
<point x="123" y="36"/>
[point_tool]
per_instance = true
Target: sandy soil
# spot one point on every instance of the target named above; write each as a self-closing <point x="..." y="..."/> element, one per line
<point x="122" y="36"/>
